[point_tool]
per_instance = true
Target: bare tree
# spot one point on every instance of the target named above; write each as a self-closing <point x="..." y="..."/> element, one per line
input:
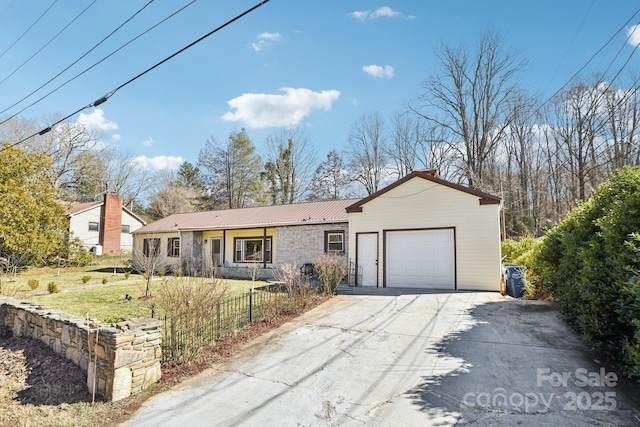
<point x="405" y="144"/>
<point x="575" y="112"/>
<point x="170" y="197"/>
<point x="289" y="165"/>
<point x="365" y="151"/>
<point x="522" y="169"/>
<point x="621" y="126"/>
<point x="331" y="180"/>
<point x="147" y="258"/>
<point x="467" y="97"/>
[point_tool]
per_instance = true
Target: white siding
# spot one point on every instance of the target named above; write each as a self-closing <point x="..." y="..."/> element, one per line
<point x="422" y="204"/>
<point x="126" y="239"/>
<point x="79" y="226"/>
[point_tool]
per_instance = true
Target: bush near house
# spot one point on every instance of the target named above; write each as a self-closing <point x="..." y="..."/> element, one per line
<point x="590" y="264"/>
<point x="521" y="252"/>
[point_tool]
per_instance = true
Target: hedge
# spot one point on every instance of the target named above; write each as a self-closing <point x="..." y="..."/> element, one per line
<point x="590" y="264"/>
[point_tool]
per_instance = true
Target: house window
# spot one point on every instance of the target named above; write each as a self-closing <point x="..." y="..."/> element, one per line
<point x="251" y="249"/>
<point x="94" y="226"/>
<point x="334" y="241"/>
<point x="173" y="247"/>
<point x="126" y="228"/>
<point x="151" y="247"/>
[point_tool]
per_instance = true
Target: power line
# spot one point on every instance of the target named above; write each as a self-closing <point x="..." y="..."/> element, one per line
<point x="80" y="58"/>
<point x="589" y="61"/>
<point x="96" y="63"/>
<point x="28" y="29"/>
<point x="111" y="93"/>
<point x="575" y="36"/>
<point x="47" y="43"/>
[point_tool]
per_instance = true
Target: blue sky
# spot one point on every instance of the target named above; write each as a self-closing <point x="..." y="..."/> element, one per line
<point x="317" y="65"/>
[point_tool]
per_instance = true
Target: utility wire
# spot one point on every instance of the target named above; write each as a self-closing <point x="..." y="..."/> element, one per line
<point x="575" y="36"/>
<point x="28" y="29"/>
<point x="589" y="61"/>
<point x="111" y="93"/>
<point x="47" y="43"/>
<point x="96" y="63"/>
<point x="80" y="58"/>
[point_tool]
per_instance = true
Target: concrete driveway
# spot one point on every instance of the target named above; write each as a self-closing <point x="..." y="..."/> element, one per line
<point x="405" y="359"/>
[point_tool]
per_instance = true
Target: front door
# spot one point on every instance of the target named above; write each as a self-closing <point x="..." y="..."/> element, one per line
<point x="367" y="259"/>
<point x="216" y="252"/>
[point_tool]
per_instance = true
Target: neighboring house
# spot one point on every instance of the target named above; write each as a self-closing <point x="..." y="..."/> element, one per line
<point x="104" y="226"/>
<point x="419" y="232"/>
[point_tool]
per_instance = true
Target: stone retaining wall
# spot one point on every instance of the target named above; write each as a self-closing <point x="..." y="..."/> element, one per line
<point x="127" y="354"/>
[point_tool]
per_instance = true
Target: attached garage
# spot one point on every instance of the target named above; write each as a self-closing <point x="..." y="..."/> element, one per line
<point x="425" y="232"/>
<point x="420" y="259"/>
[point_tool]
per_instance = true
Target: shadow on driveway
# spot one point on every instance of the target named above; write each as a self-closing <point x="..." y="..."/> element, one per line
<point x="518" y="364"/>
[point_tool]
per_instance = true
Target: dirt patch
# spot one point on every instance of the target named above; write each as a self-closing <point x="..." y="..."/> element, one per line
<point x="40" y="388"/>
<point x="40" y="377"/>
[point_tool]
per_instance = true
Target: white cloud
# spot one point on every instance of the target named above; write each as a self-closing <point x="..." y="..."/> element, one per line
<point x="96" y="121"/>
<point x="259" y="110"/>
<point x="116" y="137"/>
<point x="264" y="40"/>
<point x="378" y="71"/>
<point x="383" y="12"/>
<point x="159" y="162"/>
<point x="633" y="35"/>
<point x="148" y="142"/>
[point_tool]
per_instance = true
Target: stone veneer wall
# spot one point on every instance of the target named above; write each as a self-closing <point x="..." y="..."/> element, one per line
<point x="128" y="353"/>
<point x="297" y="245"/>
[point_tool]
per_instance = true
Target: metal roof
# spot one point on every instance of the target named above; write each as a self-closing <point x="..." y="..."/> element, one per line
<point x="263" y="216"/>
<point x="81" y="207"/>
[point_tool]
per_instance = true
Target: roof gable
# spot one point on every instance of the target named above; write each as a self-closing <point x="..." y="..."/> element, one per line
<point x="77" y="208"/>
<point x="484" y="198"/>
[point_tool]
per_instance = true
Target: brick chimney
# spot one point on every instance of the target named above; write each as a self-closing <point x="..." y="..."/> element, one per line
<point x="429" y="171"/>
<point x="111" y="224"/>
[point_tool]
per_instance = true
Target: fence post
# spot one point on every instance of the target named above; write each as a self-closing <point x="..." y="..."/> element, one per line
<point x="251" y="306"/>
<point x="218" y="321"/>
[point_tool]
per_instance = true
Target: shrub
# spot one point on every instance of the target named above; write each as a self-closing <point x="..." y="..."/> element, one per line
<point x="519" y="252"/>
<point x="298" y="290"/>
<point x="127" y="274"/>
<point x="590" y="263"/>
<point x="192" y="306"/>
<point x="52" y="287"/>
<point x="33" y="284"/>
<point x="104" y="280"/>
<point x="86" y="278"/>
<point x="332" y="269"/>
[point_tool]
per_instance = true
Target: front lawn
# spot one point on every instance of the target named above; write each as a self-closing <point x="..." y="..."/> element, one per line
<point x="108" y="303"/>
<point x="109" y="268"/>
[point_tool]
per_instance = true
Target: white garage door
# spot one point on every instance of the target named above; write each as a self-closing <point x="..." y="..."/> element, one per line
<point x="420" y="259"/>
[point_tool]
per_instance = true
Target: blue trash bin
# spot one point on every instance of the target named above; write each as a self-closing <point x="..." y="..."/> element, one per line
<point x="516" y="279"/>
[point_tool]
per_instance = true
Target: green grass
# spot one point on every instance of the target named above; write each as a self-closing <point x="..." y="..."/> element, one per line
<point x="105" y="302"/>
<point x="111" y="268"/>
<point x="108" y="303"/>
